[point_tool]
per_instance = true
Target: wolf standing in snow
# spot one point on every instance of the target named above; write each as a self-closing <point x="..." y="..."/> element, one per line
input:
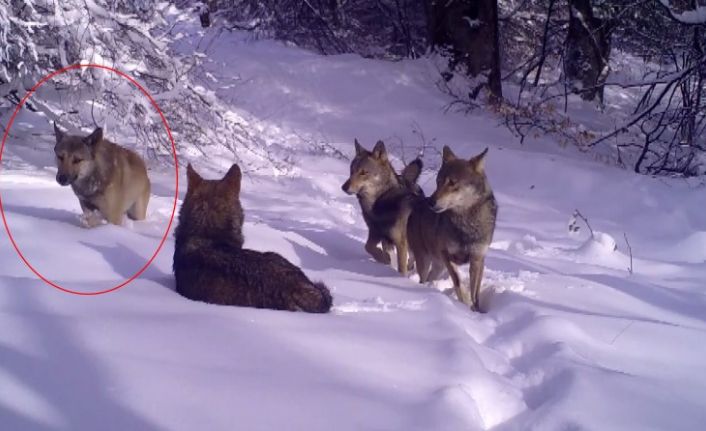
<point x="211" y="265"/>
<point x="455" y="226"/>
<point x="108" y="180"/>
<point x="385" y="199"/>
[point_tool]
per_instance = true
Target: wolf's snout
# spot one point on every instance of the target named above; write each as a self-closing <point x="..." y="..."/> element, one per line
<point x="434" y="205"/>
<point x="346" y="187"/>
<point x="62" y="179"/>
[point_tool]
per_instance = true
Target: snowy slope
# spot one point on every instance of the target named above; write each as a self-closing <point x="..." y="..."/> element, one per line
<point x="571" y="339"/>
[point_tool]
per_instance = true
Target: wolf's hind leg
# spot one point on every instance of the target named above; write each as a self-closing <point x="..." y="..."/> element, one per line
<point x="437" y="268"/>
<point x="410" y="260"/>
<point x="138" y="210"/>
<point x="114" y="217"/>
<point x="387" y="246"/>
<point x="423" y="264"/>
<point x="311" y="298"/>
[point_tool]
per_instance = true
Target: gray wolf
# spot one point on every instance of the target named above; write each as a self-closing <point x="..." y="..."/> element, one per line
<point x="211" y="265"/>
<point x="386" y="200"/>
<point x="455" y="225"/>
<point x="108" y="180"/>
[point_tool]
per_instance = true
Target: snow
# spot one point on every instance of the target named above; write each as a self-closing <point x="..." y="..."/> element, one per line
<point x="473" y="23"/>
<point x="570" y="340"/>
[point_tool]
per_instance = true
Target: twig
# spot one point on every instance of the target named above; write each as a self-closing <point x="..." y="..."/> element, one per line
<point x="630" y="269"/>
<point x="93" y="105"/>
<point x="622" y="332"/>
<point x="578" y="214"/>
<point x="680" y="76"/>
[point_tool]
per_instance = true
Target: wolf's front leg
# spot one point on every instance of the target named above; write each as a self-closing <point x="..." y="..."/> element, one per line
<point x="402" y="256"/>
<point x="476" y="277"/>
<point x="115" y="217"/>
<point x="462" y="294"/>
<point x="371" y="246"/>
<point x="91" y="216"/>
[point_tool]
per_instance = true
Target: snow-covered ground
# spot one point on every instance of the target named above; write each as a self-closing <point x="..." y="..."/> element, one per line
<point x="570" y="341"/>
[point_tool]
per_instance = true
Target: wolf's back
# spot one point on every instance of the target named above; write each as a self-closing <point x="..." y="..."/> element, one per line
<point x="229" y="275"/>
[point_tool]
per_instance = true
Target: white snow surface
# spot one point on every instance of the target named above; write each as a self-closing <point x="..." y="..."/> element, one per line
<point x="570" y="340"/>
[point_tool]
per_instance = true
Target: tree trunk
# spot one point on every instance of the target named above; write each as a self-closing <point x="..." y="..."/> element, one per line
<point x="545" y="38"/>
<point x="469" y="30"/>
<point x="204" y="14"/>
<point x="587" y="50"/>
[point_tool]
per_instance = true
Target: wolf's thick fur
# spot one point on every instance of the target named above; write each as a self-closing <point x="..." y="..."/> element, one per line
<point x="385" y="199"/>
<point x="211" y="265"/>
<point x="455" y="225"/>
<point x="108" y="180"/>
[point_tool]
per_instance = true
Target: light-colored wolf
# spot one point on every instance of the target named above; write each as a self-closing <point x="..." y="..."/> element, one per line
<point x="455" y="225"/>
<point x="211" y="265"/>
<point x="108" y="180"/>
<point x="386" y="200"/>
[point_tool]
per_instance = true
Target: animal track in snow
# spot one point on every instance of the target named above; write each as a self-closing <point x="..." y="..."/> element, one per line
<point x="378" y="305"/>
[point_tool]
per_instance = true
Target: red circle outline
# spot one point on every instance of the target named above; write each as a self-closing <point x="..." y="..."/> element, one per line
<point x="176" y="175"/>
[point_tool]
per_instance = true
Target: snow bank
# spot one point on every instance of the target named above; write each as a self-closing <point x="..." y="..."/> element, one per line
<point x="571" y="340"/>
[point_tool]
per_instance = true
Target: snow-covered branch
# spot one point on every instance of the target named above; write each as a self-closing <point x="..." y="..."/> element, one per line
<point x="697" y="15"/>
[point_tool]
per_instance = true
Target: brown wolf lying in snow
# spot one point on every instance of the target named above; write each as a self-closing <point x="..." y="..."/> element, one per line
<point x="211" y="265"/>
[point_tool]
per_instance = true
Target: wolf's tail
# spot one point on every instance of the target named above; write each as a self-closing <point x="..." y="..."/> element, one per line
<point x="313" y="298"/>
<point x="410" y="175"/>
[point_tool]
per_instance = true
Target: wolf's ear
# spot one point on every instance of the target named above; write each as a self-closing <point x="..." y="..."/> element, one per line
<point x="359" y="148"/>
<point x="95" y="137"/>
<point x="58" y="133"/>
<point x="478" y="162"/>
<point x="233" y="178"/>
<point x="447" y="155"/>
<point x="379" y="151"/>
<point x="192" y="176"/>
<point x="411" y="172"/>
